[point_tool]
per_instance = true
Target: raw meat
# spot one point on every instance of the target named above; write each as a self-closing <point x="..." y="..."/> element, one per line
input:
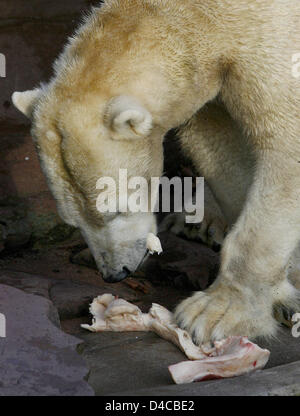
<point x="112" y="314"/>
<point x="153" y="244"/>
<point x="230" y="357"/>
<point x="233" y="356"/>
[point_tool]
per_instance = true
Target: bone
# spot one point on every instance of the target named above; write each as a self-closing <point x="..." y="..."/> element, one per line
<point x="234" y="356"/>
<point x="227" y="358"/>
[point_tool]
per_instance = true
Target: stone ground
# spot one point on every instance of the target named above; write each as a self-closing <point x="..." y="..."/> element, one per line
<point x="45" y="296"/>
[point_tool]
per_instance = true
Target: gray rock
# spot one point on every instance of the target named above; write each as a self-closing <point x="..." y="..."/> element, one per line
<point x="1" y="237"/>
<point x="36" y="285"/>
<point x="73" y="299"/>
<point x="128" y="361"/>
<point x="84" y="258"/>
<point x="285" y="348"/>
<point x="36" y="357"/>
<point x="17" y="234"/>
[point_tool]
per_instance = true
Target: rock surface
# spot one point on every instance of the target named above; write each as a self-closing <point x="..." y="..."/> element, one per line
<point x="35" y="285"/>
<point x="128" y="361"/>
<point x="149" y="356"/>
<point x="71" y="298"/>
<point x="183" y="263"/>
<point x="36" y="357"/>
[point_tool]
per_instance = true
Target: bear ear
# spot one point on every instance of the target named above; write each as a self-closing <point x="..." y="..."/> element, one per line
<point x="25" y="101"/>
<point x="127" y="118"/>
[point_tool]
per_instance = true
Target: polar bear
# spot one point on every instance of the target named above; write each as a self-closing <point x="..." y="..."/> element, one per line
<point x="220" y="70"/>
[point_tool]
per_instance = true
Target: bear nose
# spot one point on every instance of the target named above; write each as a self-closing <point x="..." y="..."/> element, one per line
<point x="120" y="276"/>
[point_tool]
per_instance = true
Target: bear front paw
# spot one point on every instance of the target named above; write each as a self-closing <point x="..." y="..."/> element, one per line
<point x="223" y="311"/>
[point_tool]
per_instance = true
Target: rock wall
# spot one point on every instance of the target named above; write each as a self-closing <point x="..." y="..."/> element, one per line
<point x="32" y="34"/>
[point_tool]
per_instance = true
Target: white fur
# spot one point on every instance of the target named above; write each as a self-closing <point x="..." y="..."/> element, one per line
<point x="24" y="101"/>
<point x="128" y="118"/>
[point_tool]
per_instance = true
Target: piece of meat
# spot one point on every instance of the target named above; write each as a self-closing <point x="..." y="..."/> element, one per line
<point x="234" y="356"/>
<point x="111" y="314"/>
<point x="153" y="244"/>
<point x="230" y="357"/>
<point x="162" y="324"/>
